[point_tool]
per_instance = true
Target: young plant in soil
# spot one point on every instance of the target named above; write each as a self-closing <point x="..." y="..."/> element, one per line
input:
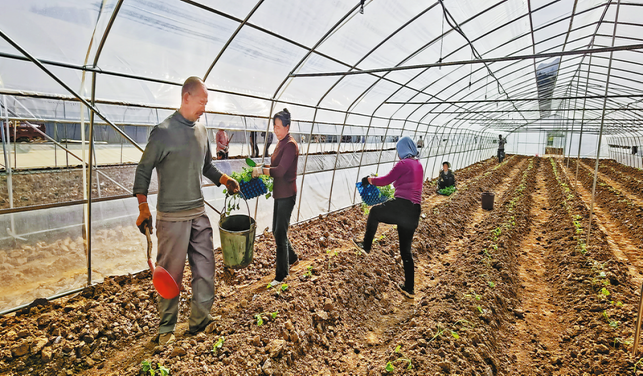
<point x="612" y="323"/>
<point x="309" y="272"/>
<point x="146" y="367"/>
<point x="398" y="350"/>
<point x="217" y="345"/>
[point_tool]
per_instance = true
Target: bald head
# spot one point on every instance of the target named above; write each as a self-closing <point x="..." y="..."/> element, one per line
<point x="191" y="85"/>
<point x="194" y="98"/>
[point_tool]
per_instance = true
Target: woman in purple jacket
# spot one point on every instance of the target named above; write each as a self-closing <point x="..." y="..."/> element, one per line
<point x="403" y="210"/>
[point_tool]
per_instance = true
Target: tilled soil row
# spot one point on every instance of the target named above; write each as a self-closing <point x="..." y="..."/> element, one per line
<point x="73" y="334"/>
<point x="627" y="215"/>
<point x="625" y="169"/>
<point x="593" y="287"/>
<point x="322" y="321"/>
<point x="629" y="183"/>
<point x="63" y="185"/>
<point x="448" y="220"/>
<point x="327" y="232"/>
<point x="454" y="326"/>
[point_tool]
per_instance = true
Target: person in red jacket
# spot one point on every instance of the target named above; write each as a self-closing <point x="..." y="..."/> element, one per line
<point x="222" y="143"/>
<point x="283" y="169"/>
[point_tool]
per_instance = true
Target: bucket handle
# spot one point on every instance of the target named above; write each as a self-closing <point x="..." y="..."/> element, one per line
<point x="225" y="204"/>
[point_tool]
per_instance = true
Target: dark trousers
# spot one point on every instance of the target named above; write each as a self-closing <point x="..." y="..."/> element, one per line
<point x="267" y="153"/>
<point x="280" y="222"/>
<point x="501" y="155"/>
<point x="253" y="145"/>
<point x="405" y="215"/>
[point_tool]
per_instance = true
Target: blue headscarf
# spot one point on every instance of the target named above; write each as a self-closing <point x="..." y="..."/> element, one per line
<point x="406" y="148"/>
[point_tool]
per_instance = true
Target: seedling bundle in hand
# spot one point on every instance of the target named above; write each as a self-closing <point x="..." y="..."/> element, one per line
<point x="250" y="187"/>
<point x="448" y="191"/>
<point x="371" y="195"/>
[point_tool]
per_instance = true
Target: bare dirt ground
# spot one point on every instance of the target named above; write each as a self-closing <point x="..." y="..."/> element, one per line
<point x="513" y="291"/>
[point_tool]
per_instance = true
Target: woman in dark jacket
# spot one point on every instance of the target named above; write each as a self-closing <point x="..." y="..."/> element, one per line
<point x="446" y="177"/>
<point x="283" y="169"/>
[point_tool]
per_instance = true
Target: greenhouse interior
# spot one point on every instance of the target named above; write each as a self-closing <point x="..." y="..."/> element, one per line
<point x="498" y="144"/>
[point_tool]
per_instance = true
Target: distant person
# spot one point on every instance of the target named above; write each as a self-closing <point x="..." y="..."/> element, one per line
<point x="179" y="150"/>
<point x="501" y="148"/>
<point x="254" y="148"/>
<point x="403" y="211"/>
<point x="446" y="177"/>
<point x="420" y="143"/>
<point x="222" y="143"/>
<point x="268" y="139"/>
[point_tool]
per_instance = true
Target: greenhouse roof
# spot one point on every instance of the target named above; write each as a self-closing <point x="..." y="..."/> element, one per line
<point x="409" y="64"/>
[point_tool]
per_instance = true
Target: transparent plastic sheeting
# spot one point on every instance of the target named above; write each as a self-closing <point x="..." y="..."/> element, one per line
<point x="47" y="256"/>
<point x="627" y="149"/>
<point x="248" y="66"/>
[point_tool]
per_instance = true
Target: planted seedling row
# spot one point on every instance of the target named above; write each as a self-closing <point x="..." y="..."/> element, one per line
<point x="452" y="327"/>
<point x="590" y="282"/>
<point x="625" y="169"/>
<point x="627" y="215"/>
<point x="631" y="184"/>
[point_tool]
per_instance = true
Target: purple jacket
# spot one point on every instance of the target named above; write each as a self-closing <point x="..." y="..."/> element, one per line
<point x="406" y="177"/>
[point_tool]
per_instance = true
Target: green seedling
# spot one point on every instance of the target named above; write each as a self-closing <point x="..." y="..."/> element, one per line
<point x="463" y="321"/>
<point x="474" y="295"/>
<point x="330" y="255"/>
<point x="438" y="333"/>
<point x="491" y="284"/>
<point x="389" y="365"/>
<point x="164" y="371"/>
<point x="480" y="310"/>
<point x="274" y="314"/>
<point x="146" y="366"/>
<point x="637" y="364"/>
<point x="284" y="287"/>
<point x="612" y="323"/>
<point x="365" y="209"/>
<point x="309" y="272"/>
<point x="455" y="334"/>
<point x="217" y="345"/>
<point x="605" y="292"/>
<point x="259" y="319"/>
<point x="626" y="342"/>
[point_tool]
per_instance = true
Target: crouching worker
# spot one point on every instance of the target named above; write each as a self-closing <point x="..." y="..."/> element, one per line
<point x="403" y="210"/>
<point x="180" y="151"/>
<point x="446" y="179"/>
<point x="283" y="169"/>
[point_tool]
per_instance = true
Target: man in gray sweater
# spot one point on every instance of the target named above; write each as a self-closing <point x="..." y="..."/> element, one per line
<point x="179" y="149"/>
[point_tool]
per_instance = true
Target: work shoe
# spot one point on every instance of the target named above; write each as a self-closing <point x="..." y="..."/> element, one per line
<point x="408" y="295"/>
<point x="166" y="338"/>
<point x="200" y="328"/>
<point x="274" y="283"/>
<point x="360" y="245"/>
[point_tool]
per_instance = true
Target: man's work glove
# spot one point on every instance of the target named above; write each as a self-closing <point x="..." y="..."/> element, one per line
<point x="231" y="185"/>
<point x="365" y="181"/>
<point x="257" y="171"/>
<point x="144" y="218"/>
